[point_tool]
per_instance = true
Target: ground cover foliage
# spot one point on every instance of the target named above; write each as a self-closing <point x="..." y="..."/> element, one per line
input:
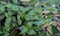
<point x="29" y="17"/>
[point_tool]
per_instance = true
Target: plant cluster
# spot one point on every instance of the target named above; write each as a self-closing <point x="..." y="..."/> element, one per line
<point x="30" y="18"/>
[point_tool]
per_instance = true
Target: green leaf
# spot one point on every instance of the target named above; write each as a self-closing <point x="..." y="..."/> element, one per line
<point x="50" y="8"/>
<point x="31" y="32"/>
<point x="19" y="22"/>
<point x="8" y="5"/>
<point x="3" y="3"/>
<point x="38" y="23"/>
<point x="18" y="19"/>
<point x="7" y="22"/>
<point x="47" y="21"/>
<point x="22" y="14"/>
<point x="1" y="17"/>
<point x="2" y="9"/>
<point x="6" y="34"/>
<point x="36" y="28"/>
<point x="12" y="7"/>
<point x="36" y="17"/>
<point x="13" y="19"/>
<point x="23" y="29"/>
<point x="8" y="14"/>
<point x="32" y="12"/>
<point x="47" y="34"/>
<point x="15" y="1"/>
<point x="21" y="8"/>
<point x="38" y="10"/>
<point x="54" y="30"/>
<point x="54" y="1"/>
<point x="26" y="9"/>
<point x="32" y="15"/>
<point x="29" y="24"/>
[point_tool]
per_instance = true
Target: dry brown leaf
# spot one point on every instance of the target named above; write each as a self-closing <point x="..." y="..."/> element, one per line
<point x="49" y="29"/>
